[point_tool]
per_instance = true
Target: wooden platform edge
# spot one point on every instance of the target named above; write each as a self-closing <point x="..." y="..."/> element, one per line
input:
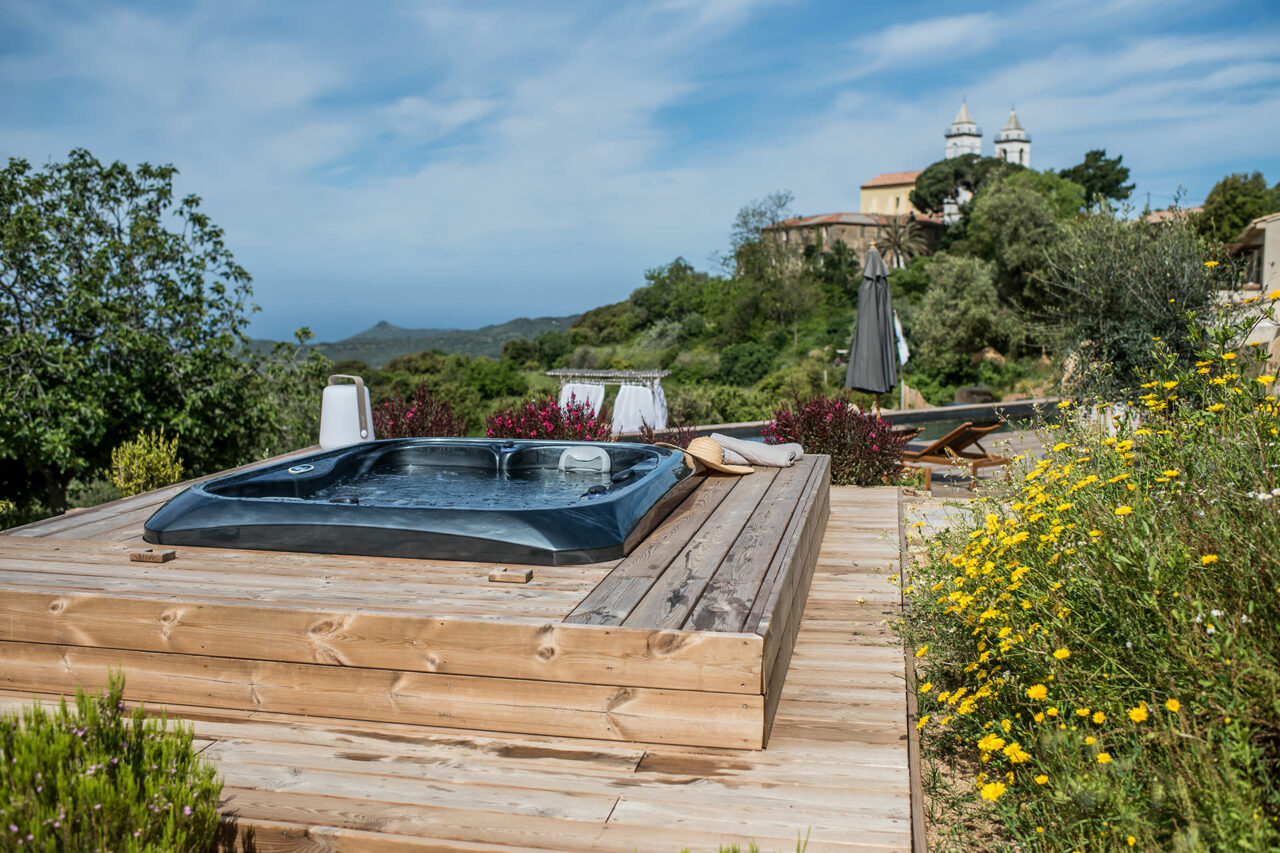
<point x="915" y="770"/>
<point x="631" y="714"/>
<point x="551" y="652"/>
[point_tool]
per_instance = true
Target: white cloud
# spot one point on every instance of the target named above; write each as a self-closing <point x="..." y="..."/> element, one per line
<point x="474" y="162"/>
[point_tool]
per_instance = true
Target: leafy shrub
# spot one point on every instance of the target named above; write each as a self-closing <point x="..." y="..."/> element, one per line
<point x="87" y="493"/>
<point x="959" y="315"/>
<point x="545" y="418"/>
<point x="94" y="778"/>
<point x="744" y="364"/>
<point x="148" y="462"/>
<point x="423" y="414"/>
<point x="864" y="449"/>
<point x="495" y="378"/>
<point x="718" y="404"/>
<point x="1097" y="644"/>
<point x="1119" y="284"/>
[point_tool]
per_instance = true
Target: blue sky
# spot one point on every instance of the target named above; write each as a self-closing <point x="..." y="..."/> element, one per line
<point x="442" y="164"/>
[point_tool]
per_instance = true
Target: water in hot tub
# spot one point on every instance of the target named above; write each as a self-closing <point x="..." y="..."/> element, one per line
<point x="456" y="487"/>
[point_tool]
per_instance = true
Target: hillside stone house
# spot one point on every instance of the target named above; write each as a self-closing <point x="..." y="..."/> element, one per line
<point x="1260" y="243"/>
<point x="858" y="231"/>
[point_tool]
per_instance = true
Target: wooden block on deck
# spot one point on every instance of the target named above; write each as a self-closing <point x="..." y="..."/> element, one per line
<point x="150" y="555"/>
<point x="505" y="575"/>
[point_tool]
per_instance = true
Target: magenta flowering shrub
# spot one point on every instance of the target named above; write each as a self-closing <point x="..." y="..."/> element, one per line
<point x="423" y="414"/>
<point x="864" y="449"/>
<point x="545" y="418"/>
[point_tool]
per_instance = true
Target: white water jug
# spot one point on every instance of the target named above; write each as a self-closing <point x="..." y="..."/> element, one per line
<point x="346" y="415"/>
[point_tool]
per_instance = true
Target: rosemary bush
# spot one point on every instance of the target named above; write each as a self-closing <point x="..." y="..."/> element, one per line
<point x="95" y="778"/>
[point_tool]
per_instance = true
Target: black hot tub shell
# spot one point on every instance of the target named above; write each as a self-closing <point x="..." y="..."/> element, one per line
<point x="481" y="500"/>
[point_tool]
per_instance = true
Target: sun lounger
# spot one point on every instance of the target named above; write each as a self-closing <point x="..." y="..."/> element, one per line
<point x="953" y="449"/>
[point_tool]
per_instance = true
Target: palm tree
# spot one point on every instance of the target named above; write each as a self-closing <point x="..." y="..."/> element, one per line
<point x="900" y="239"/>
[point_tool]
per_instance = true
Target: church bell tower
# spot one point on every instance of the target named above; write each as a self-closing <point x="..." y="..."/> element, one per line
<point x="964" y="136"/>
<point x="1012" y="142"/>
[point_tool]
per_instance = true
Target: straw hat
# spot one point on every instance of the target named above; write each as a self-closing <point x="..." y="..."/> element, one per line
<point x="708" y="453"/>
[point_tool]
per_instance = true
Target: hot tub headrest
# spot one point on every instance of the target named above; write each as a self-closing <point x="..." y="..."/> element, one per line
<point x="594" y="459"/>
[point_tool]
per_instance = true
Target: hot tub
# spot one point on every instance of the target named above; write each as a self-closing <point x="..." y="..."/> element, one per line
<point x="481" y="500"/>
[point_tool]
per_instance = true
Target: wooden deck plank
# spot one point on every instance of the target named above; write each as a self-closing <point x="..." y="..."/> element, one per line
<point x="767" y="596"/>
<point x="381" y="640"/>
<point x="668" y="603"/>
<point x="497" y="704"/>
<point x="617" y="595"/>
<point x="729" y="595"/>
<point x="291" y="565"/>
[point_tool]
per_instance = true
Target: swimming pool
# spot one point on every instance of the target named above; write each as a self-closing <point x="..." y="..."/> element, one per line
<point x="483" y="500"/>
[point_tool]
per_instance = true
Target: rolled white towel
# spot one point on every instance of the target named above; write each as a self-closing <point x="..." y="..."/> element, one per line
<point x="740" y="452"/>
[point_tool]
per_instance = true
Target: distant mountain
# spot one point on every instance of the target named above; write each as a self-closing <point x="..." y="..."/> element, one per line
<point x="383" y="342"/>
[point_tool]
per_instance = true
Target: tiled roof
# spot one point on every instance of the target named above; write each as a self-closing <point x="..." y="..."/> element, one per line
<point x="891" y="179"/>
<point x="845" y="219"/>
<point x="1156" y="217"/>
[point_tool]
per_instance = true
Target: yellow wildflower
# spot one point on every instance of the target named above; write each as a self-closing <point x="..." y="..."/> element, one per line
<point x="1090" y="741"/>
<point x="1173" y="705"/>
<point x="1042" y="780"/>
<point x="992" y="791"/>
<point x="1131" y="840"/>
<point x="1062" y="654"/>
<point x="1082" y="712"/>
<point x="1266" y="379"/>
<point x="1099" y="718"/>
<point x="1210" y="264"/>
<point x="1037" y="691"/>
<point x="1052" y="712"/>
<point x="926" y="687"/>
<point x="1104" y="757"/>
<point x="922" y="651"/>
<point x="923" y="720"/>
<point x="1217" y="407"/>
<point x="1228" y="356"/>
<point x="1016" y="754"/>
<point x="1139" y="714"/>
<point x="1124" y="510"/>
<point x="991" y="743"/>
<point x="1208" y="559"/>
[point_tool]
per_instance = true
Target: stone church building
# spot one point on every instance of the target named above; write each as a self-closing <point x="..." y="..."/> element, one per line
<point x="889" y="195"/>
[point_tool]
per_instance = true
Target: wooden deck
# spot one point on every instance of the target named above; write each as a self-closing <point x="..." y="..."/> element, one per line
<point x="684" y="641"/>
<point x="835" y="767"/>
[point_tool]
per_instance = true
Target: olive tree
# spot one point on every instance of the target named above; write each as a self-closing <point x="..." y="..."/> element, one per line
<point x="121" y="309"/>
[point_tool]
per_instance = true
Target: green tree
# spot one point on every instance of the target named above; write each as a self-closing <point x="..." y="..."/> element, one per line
<point x="944" y="179"/>
<point x="1233" y="203"/>
<point x="900" y="239"/>
<point x="960" y="315"/>
<point x="1102" y="178"/>
<point x="121" y="308"/>
<point x="1119" y="284"/>
<point x="1015" y="221"/>
<point x="838" y="272"/>
<point x="776" y="276"/>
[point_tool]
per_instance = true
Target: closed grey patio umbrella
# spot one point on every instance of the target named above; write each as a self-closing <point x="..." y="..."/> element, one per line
<point x="873" y="356"/>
